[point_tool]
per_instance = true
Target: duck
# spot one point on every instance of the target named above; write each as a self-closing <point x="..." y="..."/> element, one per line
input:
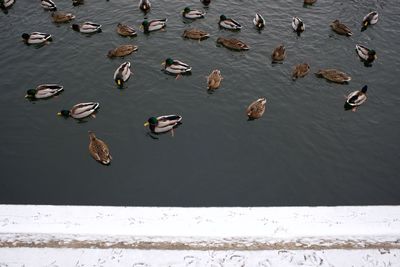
<point x="144" y="5"/>
<point x="87" y="27"/>
<point x="48" y="5"/>
<point x="300" y="70"/>
<point x="44" y="91"/>
<point x="80" y="111"/>
<point x="78" y="2"/>
<point x="369" y="19"/>
<point x="125" y="30"/>
<point x="309" y="2"/>
<point x="298" y="25"/>
<point x="174" y="66"/>
<point x="195" y="34"/>
<point x="192" y="13"/>
<point x="356" y="98"/>
<point x="259" y="21"/>
<point x="154" y="25"/>
<point x="62" y="17"/>
<point x="229" y="23"/>
<point x="233" y="44"/>
<point x="122" y="50"/>
<point x="205" y="2"/>
<point x="36" y="38"/>
<point x="340" y="28"/>
<point x="99" y="150"/>
<point x="334" y="75"/>
<point x="214" y="80"/>
<point x="279" y="54"/>
<point x="368" y="55"/>
<point x="4" y="4"/>
<point x="163" y="124"/>
<point x="122" y="74"/>
<point x="256" y="109"/>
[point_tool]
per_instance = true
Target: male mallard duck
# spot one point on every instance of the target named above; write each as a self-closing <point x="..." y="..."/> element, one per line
<point x="256" y="109"/>
<point x="259" y="21"/>
<point x="300" y="70"/>
<point x="125" y="30"/>
<point x="99" y="150"/>
<point x="365" y="53"/>
<point x="62" y="17"/>
<point x="174" y="66"/>
<point x="229" y="24"/>
<point x="78" y="2"/>
<point x="36" y="37"/>
<point x="205" y="2"/>
<point x="122" y="50"/>
<point x="44" y="91"/>
<point x="195" y="34"/>
<point x="122" y="74"/>
<point x="214" y="80"/>
<point x="278" y="54"/>
<point x="154" y="25"/>
<point x="298" y="25"/>
<point x="369" y="19"/>
<point x="334" y="75"/>
<point x="163" y="124"/>
<point x="144" y="5"/>
<point x="340" y="28"/>
<point x="192" y="13"/>
<point x="356" y="98"/>
<point x="233" y="43"/>
<point x="80" y="111"/>
<point x="87" y="27"/>
<point x="48" y="5"/>
<point x="6" y="3"/>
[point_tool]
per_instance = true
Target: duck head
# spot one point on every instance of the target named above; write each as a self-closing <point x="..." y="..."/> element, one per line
<point x="30" y="93"/>
<point x="65" y="113"/>
<point x="145" y="25"/>
<point x="119" y="82"/>
<point x="75" y="27"/>
<point x="222" y="17"/>
<point x="186" y="10"/>
<point x="169" y="61"/>
<point x="364" y="89"/>
<point x="152" y="121"/>
<point x="25" y="36"/>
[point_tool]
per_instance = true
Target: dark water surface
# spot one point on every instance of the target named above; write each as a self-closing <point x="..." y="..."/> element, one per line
<point x="305" y="150"/>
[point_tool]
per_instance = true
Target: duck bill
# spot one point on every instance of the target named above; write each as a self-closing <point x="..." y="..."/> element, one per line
<point x="146" y="123"/>
<point x="59" y="114"/>
<point x="163" y="63"/>
<point x="26" y="96"/>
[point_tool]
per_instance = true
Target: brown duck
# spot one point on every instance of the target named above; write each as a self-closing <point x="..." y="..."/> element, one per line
<point x="99" y="150"/>
<point x="340" y="28"/>
<point x="256" y="109"/>
<point x="334" y="75"/>
<point x="233" y="44"/>
<point x="125" y="30"/>
<point x="195" y="34"/>
<point x="214" y="80"/>
<point x="300" y="70"/>
<point x="278" y="54"/>
<point x="122" y="50"/>
<point x="62" y="17"/>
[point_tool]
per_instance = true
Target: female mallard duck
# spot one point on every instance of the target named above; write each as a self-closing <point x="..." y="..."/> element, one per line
<point x="87" y="27"/>
<point x="229" y="24"/>
<point x="174" y="66"/>
<point x="125" y="30"/>
<point x="356" y="98"/>
<point x="36" y="38"/>
<point x="78" y="2"/>
<point x="256" y="109"/>
<point x="195" y="34"/>
<point x="368" y="55"/>
<point x="278" y="54"/>
<point x="163" y="124"/>
<point x="340" y="28"/>
<point x="192" y="13"/>
<point x="48" y="5"/>
<point x="214" y="80"/>
<point x="298" y="25"/>
<point x="44" y="91"/>
<point x="205" y="2"/>
<point x="99" y="150"/>
<point x="259" y="21"/>
<point x="334" y="75"/>
<point x="4" y="4"/>
<point x="233" y="43"/>
<point x="122" y="74"/>
<point x="154" y="25"/>
<point x="80" y="111"/>
<point x="122" y="50"/>
<point x="62" y="17"/>
<point x="369" y="19"/>
<point x="144" y="5"/>
<point x="300" y="70"/>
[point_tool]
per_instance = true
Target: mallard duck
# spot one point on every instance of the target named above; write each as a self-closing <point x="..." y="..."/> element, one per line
<point x="340" y="28"/>
<point x="298" y="25"/>
<point x="163" y="124"/>
<point x="87" y="27"/>
<point x="214" y="80"/>
<point x="174" y="66"/>
<point x="36" y="38"/>
<point x="356" y="98"/>
<point x="256" y="109"/>
<point x="154" y="25"/>
<point x="144" y="5"/>
<point x="99" y="150"/>
<point x="195" y="34"/>
<point x="122" y="74"/>
<point x="80" y="111"/>
<point x="62" y="17"/>
<point x="192" y="13"/>
<point x="125" y="30"/>
<point x="205" y="2"/>
<point x="300" y="70"/>
<point x="334" y="75"/>
<point x="122" y="50"/>
<point x="369" y="19"/>
<point x="44" y="91"/>
<point x="6" y="3"/>
<point x="229" y="24"/>
<point x="78" y="2"/>
<point x="48" y="5"/>
<point x="309" y="2"/>
<point x="259" y="21"/>
<point x="365" y="53"/>
<point x="233" y="43"/>
<point x="278" y="54"/>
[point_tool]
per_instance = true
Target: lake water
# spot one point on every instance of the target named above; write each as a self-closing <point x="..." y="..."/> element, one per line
<point x="305" y="150"/>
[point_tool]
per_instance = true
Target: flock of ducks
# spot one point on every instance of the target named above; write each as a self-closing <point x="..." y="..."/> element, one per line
<point x="161" y="124"/>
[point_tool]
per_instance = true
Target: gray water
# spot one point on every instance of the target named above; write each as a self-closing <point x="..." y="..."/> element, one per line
<point x="305" y="150"/>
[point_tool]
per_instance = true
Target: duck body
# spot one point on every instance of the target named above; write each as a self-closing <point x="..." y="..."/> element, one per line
<point x="192" y="13"/>
<point x="99" y="150"/>
<point x="340" y="28"/>
<point x="334" y="75"/>
<point x="259" y="21"/>
<point x="173" y="66"/>
<point x="356" y="98"/>
<point x="298" y="25"/>
<point x="6" y="3"/>
<point x="229" y="23"/>
<point x="163" y="124"/>
<point x="279" y="54"/>
<point x="125" y="30"/>
<point x="256" y="109"/>
<point x="44" y="91"/>
<point x="369" y="19"/>
<point x="36" y="38"/>
<point x="144" y="5"/>
<point x="87" y="27"/>
<point x="48" y="5"/>
<point x="300" y="71"/>
<point x="214" y="80"/>
<point x="154" y="25"/>
<point x="122" y="74"/>
<point x="122" y="50"/>
<point x="80" y="111"/>
<point x="233" y="44"/>
<point x="366" y="54"/>
<point x="62" y="17"/>
<point x="195" y="34"/>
